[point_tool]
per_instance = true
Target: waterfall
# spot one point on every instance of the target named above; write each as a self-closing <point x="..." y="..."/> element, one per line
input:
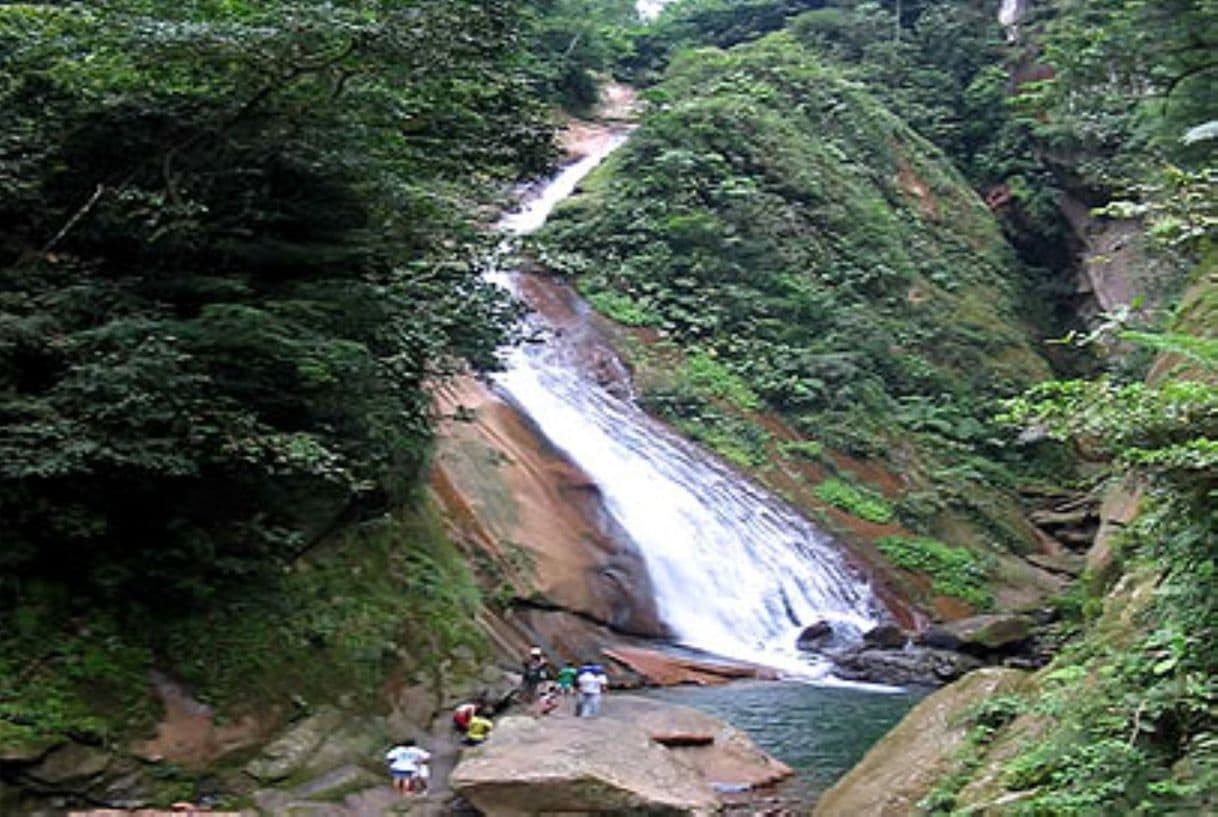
<point x="1009" y="15"/>
<point x="650" y="9"/>
<point x="736" y="571"/>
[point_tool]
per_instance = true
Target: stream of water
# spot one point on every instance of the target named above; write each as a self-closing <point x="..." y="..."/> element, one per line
<point x="736" y="571"/>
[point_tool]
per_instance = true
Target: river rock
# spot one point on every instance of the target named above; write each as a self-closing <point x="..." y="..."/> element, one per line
<point x="555" y="766"/>
<point x="70" y="765"/>
<point x="909" y="761"/>
<point x="913" y="665"/>
<point x="815" y="636"/>
<point x="981" y="635"/>
<point x="887" y="636"/>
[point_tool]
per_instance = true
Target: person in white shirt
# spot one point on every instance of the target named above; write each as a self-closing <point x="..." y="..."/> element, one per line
<point x="591" y="683"/>
<point x="408" y="768"/>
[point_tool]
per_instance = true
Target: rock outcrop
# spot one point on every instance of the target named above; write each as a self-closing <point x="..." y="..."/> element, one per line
<point x="532" y="522"/>
<point x="923" y="666"/>
<point x="566" y="765"/>
<point x="664" y="669"/>
<point x="617" y="764"/>
<point x="907" y="763"/>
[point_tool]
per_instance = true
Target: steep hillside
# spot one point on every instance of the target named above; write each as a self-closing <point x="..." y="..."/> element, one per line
<point x="820" y="297"/>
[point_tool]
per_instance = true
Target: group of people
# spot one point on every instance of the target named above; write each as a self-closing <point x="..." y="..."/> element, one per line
<point x="474" y="726"/>
<point x="540" y="688"/>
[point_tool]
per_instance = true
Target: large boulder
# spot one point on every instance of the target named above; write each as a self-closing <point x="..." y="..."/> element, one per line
<point x="815" y="636"/>
<point x="887" y="636"/>
<point x="981" y="635"/>
<point x="726" y="757"/>
<point x="908" y="762"/>
<point x="912" y="665"/>
<point x="553" y="766"/>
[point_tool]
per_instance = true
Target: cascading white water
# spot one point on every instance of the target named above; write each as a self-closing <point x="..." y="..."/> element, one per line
<point x="1010" y="13"/>
<point x="736" y="571"/>
<point x="650" y="9"/>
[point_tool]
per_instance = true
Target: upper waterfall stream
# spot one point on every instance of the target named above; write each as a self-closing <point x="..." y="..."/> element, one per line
<point x="736" y="571"/>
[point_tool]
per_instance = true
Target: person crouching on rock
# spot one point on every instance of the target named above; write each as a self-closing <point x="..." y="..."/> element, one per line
<point x="408" y="768"/>
<point x="478" y="731"/>
<point x="462" y="715"/>
<point x="591" y="682"/>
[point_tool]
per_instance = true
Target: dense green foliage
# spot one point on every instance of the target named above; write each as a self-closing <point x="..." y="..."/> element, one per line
<point x="237" y="243"/>
<point x="1125" y="719"/>
<point x="814" y="257"/>
<point x="231" y="258"/>
<point x="1131" y="78"/>
<point x="392" y="595"/>
<point x="954" y="571"/>
<point x="575" y="42"/>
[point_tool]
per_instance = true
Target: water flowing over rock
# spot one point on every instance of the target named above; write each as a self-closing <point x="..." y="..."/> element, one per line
<point x="735" y="571"/>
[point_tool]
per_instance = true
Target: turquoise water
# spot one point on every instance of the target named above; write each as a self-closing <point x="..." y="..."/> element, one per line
<point x="818" y="731"/>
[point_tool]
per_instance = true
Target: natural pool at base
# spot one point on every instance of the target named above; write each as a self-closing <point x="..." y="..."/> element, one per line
<point x="819" y="731"/>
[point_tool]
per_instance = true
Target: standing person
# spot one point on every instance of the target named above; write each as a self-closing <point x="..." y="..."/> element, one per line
<point x="566" y="680"/>
<point x="408" y="768"/>
<point x="535" y="671"/>
<point x="591" y="682"/>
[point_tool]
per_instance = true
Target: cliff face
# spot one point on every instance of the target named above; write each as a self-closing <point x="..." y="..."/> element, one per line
<point x="531" y="522"/>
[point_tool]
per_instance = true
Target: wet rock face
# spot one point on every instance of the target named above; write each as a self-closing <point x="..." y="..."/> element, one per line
<point x="815" y="636"/>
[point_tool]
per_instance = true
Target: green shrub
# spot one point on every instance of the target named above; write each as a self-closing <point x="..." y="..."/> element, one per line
<point x="810" y="450"/>
<point x="855" y="500"/>
<point x="621" y="308"/>
<point x="954" y="571"/>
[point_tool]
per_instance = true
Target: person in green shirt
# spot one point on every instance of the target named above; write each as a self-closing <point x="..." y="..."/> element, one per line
<point x="566" y="679"/>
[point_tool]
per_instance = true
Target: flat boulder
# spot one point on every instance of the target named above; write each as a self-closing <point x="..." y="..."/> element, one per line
<point x="666" y="669"/>
<point x="641" y="757"/>
<point x="912" y="665"/>
<point x="561" y="765"/>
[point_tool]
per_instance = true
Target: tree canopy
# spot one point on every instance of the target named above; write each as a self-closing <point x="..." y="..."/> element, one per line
<point x="236" y="245"/>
